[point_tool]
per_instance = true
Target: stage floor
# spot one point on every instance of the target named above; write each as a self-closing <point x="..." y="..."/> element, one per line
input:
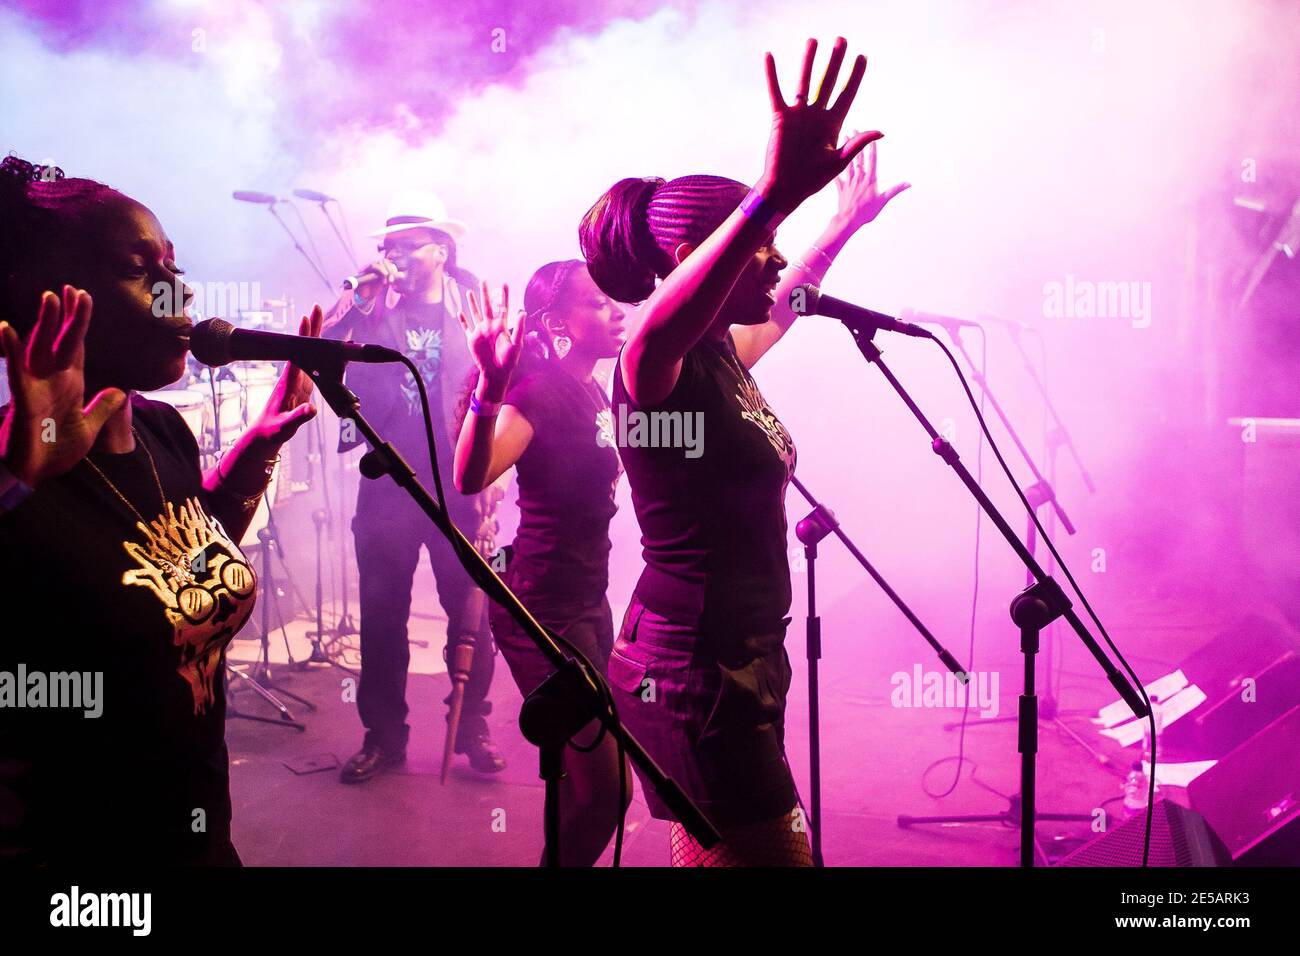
<point x="874" y="753"/>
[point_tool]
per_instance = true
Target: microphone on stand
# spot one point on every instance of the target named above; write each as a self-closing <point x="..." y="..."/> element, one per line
<point x="216" y="342"/>
<point x="262" y="199"/>
<point x="807" y="299"/>
<point x="951" y="323"/>
<point x="312" y="195"/>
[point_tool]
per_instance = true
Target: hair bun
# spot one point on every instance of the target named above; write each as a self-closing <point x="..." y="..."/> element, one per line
<point x="615" y="238"/>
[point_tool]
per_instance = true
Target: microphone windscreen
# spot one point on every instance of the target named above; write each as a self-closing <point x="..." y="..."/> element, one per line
<point x="804" y="298"/>
<point x="210" y="341"/>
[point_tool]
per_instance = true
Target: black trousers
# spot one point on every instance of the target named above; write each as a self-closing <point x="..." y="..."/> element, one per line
<point x="389" y="532"/>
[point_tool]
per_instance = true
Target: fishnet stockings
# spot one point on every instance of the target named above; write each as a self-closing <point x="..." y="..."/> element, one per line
<point x="779" y="842"/>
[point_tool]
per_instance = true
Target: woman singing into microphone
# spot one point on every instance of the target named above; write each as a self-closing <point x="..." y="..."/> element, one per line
<point x="551" y="420"/>
<point x="699" y="667"/>
<point x="122" y="575"/>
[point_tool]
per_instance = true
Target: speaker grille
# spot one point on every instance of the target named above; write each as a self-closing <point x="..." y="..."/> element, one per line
<point x="1179" y="837"/>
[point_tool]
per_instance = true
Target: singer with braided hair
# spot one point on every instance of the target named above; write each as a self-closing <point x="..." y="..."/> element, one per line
<point x="119" y="559"/>
<point x="537" y="407"/>
<point x="699" y="667"/>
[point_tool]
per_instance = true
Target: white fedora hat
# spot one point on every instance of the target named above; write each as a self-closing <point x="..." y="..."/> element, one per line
<point x="415" y="210"/>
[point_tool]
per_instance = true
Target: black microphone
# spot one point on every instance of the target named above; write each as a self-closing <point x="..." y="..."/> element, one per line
<point x="217" y="342"/>
<point x="312" y="196"/>
<point x="265" y="199"/>
<point x="807" y="299"/>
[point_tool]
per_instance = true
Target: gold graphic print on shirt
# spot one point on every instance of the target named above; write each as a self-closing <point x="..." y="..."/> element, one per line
<point x="756" y="410"/>
<point x="205" y="586"/>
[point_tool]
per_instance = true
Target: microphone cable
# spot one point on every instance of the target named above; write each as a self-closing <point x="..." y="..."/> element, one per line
<point x="960" y="758"/>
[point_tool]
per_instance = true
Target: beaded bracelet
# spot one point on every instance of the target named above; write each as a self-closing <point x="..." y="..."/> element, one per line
<point x="483" y="409"/>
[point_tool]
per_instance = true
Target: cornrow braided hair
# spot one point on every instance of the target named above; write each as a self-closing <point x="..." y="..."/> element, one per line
<point x="629" y="236"/>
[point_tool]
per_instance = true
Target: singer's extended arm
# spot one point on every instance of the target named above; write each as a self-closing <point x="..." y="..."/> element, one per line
<point x="860" y="201"/>
<point x="802" y="157"/>
<point x="240" y="478"/>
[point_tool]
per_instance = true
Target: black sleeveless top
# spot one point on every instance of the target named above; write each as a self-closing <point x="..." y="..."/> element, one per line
<point x="710" y="498"/>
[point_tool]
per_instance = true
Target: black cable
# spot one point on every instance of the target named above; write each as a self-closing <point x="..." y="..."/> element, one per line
<point x="975" y="589"/>
<point x="1033" y="515"/>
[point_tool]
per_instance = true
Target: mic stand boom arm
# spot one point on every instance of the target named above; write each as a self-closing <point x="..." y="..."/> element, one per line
<point x="1041" y="492"/>
<point x="570" y="698"/>
<point x="298" y="245"/>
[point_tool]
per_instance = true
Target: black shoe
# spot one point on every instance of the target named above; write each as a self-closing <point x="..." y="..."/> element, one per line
<point x="369" y="761"/>
<point x="484" y="756"/>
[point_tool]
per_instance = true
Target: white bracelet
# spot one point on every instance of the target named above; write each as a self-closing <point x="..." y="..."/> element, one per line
<point x="484" y="409"/>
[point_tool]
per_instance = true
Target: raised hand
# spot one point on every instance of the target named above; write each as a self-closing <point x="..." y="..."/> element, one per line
<point x="861" y="199"/>
<point x="48" y="428"/>
<point x="803" y="151"/>
<point x="289" y="406"/>
<point x="495" y="348"/>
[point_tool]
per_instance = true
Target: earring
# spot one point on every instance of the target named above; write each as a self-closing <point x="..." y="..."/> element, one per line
<point x="561" y="343"/>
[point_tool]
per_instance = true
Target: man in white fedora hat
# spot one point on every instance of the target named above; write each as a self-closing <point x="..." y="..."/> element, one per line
<point x="410" y="299"/>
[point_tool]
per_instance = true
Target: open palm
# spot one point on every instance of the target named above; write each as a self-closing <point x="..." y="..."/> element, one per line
<point x="48" y="428"/>
<point x="803" y="154"/>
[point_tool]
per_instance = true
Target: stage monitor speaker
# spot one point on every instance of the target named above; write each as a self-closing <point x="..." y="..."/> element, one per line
<point x="1179" y="837"/>
<point x="1252" y="796"/>
<point x="1255" y="650"/>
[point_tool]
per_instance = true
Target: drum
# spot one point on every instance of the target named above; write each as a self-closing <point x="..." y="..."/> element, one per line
<point x="190" y="402"/>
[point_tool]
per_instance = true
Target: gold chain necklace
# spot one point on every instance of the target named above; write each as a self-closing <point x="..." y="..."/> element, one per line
<point x="162" y="496"/>
<point x="182" y="573"/>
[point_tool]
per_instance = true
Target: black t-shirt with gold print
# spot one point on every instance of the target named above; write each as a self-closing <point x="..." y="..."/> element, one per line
<point x="136" y="617"/>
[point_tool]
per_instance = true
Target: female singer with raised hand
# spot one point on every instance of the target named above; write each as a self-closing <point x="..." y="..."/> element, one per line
<point x="537" y="407"/>
<point x="119" y="560"/>
<point x="699" y="666"/>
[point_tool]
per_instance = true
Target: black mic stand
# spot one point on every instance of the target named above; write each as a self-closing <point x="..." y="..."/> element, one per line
<point x="323" y="650"/>
<point x="569" y="699"/>
<point x="1031" y="611"/>
<point x="819" y="523"/>
<point x="258" y="677"/>
<point x="1039" y="493"/>
<point x="270" y="207"/>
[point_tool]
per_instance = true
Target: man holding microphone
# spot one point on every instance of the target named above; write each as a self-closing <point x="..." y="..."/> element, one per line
<point x="410" y="300"/>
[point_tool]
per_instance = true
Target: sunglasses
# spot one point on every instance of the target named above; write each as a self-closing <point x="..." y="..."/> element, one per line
<point x="402" y="248"/>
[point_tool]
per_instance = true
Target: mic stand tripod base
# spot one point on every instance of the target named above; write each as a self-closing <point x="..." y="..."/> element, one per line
<point x="286" y="718"/>
<point x="1031" y="610"/>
